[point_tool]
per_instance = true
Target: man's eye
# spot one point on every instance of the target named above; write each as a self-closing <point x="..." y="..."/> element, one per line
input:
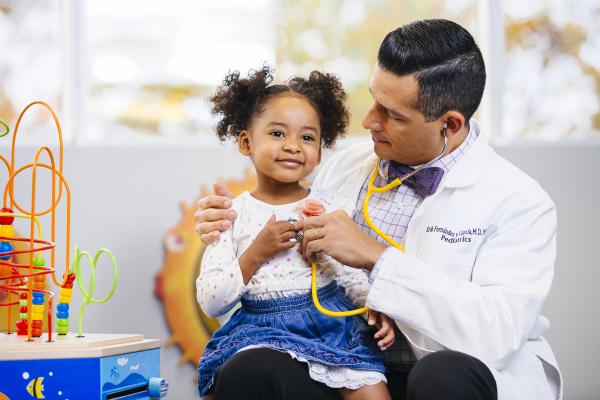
<point x="277" y="134"/>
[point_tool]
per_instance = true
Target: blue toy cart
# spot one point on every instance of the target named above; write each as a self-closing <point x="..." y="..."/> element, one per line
<point x="96" y="366"/>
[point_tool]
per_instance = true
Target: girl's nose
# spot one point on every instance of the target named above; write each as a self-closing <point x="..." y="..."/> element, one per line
<point x="291" y="144"/>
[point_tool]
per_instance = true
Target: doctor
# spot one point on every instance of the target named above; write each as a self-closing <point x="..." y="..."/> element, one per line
<point x="478" y="236"/>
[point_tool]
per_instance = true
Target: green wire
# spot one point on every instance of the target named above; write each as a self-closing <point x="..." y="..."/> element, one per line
<point x="6" y="128"/>
<point x="87" y="295"/>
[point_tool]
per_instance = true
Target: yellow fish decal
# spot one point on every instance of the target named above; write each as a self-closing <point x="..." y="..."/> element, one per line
<point x="3" y="397"/>
<point x="35" y="388"/>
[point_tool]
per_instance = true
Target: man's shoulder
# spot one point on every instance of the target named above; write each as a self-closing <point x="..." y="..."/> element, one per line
<point x="345" y="161"/>
<point x="508" y="180"/>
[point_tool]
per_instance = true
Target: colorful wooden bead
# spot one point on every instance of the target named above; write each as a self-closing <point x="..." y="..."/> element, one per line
<point x="6" y="219"/>
<point x="7" y="231"/>
<point x="5" y="247"/>
<point x="38" y="261"/>
<point x="62" y="307"/>
<point x="62" y="322"/>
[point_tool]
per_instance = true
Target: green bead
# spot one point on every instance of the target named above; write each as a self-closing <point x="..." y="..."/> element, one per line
<point x="23" y="316"/>
<point x="39" y="261"/>
<point x="62" y="330"/>
<point x="62" y="323"/>
<point x="23" y="303"/>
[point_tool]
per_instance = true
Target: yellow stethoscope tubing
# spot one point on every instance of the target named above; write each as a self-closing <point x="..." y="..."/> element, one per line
<point x="365" y="208"/>
<point x="370" y="190"/>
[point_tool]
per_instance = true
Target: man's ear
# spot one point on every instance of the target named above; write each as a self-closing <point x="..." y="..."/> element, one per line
<point x="454" y="122"/>
<point x="244" y="143"/>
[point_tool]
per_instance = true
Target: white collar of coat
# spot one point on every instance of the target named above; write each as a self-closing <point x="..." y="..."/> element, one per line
<point x="471" y="165"/>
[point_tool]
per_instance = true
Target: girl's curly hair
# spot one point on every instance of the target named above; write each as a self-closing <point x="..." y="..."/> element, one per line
<point x="238" y="100"/>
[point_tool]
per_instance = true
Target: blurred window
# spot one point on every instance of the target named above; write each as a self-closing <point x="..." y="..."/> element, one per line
<point x="30" y="65"/>
<point x="552" y="70"/>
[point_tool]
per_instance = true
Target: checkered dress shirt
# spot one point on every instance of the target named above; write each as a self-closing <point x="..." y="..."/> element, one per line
<point x="391" y="211"/>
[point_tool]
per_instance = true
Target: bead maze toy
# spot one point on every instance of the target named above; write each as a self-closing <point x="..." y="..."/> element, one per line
<point x="35" y="361"/>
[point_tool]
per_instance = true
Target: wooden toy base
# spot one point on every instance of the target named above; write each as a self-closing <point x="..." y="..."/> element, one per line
<point x="96" y="366"/>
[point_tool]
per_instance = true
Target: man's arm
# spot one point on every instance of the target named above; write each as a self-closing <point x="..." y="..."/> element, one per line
<point x="494" y="314"/>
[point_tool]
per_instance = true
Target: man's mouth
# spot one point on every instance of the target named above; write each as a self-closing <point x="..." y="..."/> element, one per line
<point x="379" y="139"/>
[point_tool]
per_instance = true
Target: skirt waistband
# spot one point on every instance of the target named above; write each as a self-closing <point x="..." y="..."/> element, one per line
<point x="292" y="303"/>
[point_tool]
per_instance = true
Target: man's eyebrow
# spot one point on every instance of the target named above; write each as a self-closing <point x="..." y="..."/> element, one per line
<point x="284" y="125"/>
<point x="394" y="113"/>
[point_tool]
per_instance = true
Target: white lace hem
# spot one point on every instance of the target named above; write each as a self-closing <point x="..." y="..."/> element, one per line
<point x="332" y="376"/>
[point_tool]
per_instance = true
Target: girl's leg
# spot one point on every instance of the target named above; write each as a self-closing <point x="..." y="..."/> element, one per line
<point x="379" y="391"/>
<point x="209" y="396"/>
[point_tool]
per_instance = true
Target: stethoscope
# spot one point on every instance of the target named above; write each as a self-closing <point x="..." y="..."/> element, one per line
<point x="365" y="208"/>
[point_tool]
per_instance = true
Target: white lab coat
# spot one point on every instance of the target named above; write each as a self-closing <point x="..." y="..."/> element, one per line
<point x="478" y="265"/>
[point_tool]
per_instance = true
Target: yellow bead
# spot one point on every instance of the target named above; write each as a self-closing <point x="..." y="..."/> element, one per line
<point x="7" y="231"/>
<point x="37" y="316"/>
<point x="37" y="308"/>
<point x="66" y="292"/>
<point x="64" y="299"/>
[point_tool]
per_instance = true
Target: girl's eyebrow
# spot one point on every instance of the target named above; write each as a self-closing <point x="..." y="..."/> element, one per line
<point x="284" y="125"/>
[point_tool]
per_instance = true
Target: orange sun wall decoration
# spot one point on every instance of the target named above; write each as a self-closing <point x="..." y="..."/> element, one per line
<point x="175" y="283"/>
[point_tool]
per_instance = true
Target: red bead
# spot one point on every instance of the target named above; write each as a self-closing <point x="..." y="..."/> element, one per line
<point x="22" y="332"/>
<point x="36" y="324"/>
<point x="37" y="332"/>
<point x="68" y="285"/>
<point x="23" y="295"/>
<point x="22" y="324"/>
<point x="5" y="219"/>
<point x="23" y="309"/>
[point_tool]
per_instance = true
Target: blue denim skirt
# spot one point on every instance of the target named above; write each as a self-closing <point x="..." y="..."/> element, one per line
<point x="294" y="324"/>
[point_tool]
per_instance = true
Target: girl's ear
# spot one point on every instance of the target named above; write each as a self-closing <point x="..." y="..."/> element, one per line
<point x="244" y="143"/>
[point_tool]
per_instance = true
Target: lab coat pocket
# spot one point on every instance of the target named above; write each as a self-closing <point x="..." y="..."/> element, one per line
<point x="458" y="265"/>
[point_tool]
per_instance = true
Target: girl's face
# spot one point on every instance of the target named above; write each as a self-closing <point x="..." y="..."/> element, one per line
<point x="284" y="141"/>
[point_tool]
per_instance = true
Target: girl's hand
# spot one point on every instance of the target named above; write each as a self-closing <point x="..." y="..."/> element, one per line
<point x="273" y="239"/>
<point x="385" y="335"/>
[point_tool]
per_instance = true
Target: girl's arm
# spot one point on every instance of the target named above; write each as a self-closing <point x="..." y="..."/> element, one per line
<point x="220" y="285"/>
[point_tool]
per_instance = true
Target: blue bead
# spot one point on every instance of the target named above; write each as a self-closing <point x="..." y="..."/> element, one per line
<point x="4" y="248"/>
<point x="62" y="315"/>
<point x="37" y="294"/>
<point x="62" y="307"/>
<point x="37" y="300"/>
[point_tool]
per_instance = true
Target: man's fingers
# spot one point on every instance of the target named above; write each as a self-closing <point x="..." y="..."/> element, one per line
<point x="214" y="201"/>
<point x="209" y="227"/>
<point x="214" y="215"/>
<point x="221" y="190"/>
<point x="209" y="238"/>
<point x="312" y="248"/>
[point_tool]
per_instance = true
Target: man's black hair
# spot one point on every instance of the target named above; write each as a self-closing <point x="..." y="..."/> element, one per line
<point x="445" y="60"/>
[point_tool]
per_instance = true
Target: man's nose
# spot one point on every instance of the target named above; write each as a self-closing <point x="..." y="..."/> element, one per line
<point x="371" y="120"/>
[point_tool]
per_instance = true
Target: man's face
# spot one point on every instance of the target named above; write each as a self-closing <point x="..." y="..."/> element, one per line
<point x="398" y="129"/>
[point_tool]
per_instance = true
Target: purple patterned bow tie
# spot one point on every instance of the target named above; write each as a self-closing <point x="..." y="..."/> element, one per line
<point x="425" y="182"/>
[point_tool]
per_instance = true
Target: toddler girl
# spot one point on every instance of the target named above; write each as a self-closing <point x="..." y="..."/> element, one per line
<point x="282" y="128"/>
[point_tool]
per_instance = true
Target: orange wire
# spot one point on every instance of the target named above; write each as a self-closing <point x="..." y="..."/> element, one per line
<point x="9" y="193"/>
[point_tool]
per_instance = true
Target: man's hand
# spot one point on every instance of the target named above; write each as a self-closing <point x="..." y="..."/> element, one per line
<point x="271" y="240"/>
<point x="385" y="335"/>
<point x="213" y="215"/>
<point x="336" y="235"/>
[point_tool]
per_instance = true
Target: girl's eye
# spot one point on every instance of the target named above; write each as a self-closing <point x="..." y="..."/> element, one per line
<point x="308" y="138"/>
<point x="277" y="134"/>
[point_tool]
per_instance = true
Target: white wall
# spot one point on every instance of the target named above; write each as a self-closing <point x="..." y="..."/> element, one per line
<point x="125" y="199"/>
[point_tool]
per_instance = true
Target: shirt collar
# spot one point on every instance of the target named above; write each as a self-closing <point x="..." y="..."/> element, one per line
<point x="449" y="160"/>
